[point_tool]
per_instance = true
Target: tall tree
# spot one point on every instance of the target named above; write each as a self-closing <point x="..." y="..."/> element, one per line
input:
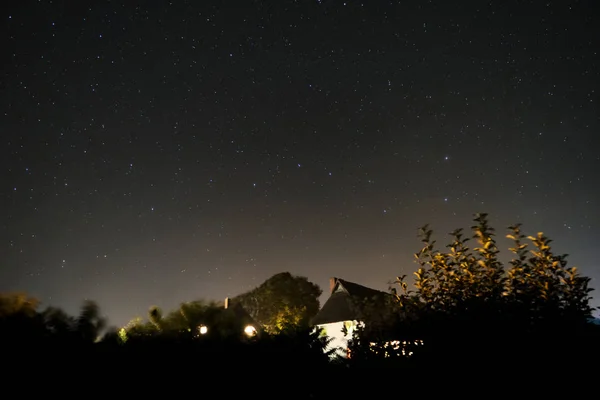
<point x="282" y="301"/>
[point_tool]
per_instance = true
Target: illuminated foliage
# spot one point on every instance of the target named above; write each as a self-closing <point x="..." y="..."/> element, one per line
<point x="538" y="283"/>
<point x="137" y="328"/>
<point x="20" y="322"/>
<point x="543" y="283"/>
<point x="123" y="335"/>
<point x="287" y="317"/>
<point x="282" y="302"/>
<point x="17" y="304"/>
<point x="465" y="300"/>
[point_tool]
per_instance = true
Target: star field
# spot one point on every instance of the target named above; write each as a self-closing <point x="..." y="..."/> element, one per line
<point x="153" y="154"/>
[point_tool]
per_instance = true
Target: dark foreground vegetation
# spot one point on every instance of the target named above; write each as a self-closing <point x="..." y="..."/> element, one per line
<point x="468" y="315"/>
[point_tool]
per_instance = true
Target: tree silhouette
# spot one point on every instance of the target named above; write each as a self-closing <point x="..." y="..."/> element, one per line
<point x="59" y="323"/>
<point x="155" y="316"/>
<point x="90" y="323"/>
<point x="189" y="316"/>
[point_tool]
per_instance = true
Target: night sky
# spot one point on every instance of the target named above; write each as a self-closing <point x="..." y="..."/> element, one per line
<point x="160" y="152"/>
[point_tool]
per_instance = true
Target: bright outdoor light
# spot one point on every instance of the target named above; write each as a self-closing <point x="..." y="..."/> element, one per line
<point x="202" y="329"/>
<point x="250" y="330"/>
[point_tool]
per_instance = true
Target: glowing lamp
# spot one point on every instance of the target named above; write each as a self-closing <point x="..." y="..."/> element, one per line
<point x="250" y="330"/>
<point x="203" y="329"/>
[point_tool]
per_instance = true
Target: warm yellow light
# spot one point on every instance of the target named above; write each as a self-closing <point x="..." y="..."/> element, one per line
<point x="203" y="329"/>
<point x="250" y="330"/>
<point x="123" y="335"/>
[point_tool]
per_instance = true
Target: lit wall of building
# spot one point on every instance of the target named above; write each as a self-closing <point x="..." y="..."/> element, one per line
<point x="339" y="339"/>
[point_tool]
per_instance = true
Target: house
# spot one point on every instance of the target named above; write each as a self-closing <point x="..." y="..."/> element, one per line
<point x="341" y="313"/>
<point x="242" y="317"/>
<point x="228" y="319"/>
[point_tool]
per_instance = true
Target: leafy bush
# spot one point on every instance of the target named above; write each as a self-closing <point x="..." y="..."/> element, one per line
<point x="468" y="306"/>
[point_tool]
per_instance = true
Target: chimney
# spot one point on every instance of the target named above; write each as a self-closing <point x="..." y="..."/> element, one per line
<point x="332" y="282"/>
<point x="226" y="303"/>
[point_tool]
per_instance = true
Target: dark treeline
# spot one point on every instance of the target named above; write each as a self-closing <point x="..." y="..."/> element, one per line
<point x="468" y="313"/>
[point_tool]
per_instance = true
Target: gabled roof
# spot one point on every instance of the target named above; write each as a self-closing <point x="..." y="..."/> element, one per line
<point x="354" y="289"/>
<point x="240" y="313"/>
<point x="341" y="305"/>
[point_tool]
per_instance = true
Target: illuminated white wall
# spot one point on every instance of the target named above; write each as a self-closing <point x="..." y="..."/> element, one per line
<point x="339" y="341"/>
